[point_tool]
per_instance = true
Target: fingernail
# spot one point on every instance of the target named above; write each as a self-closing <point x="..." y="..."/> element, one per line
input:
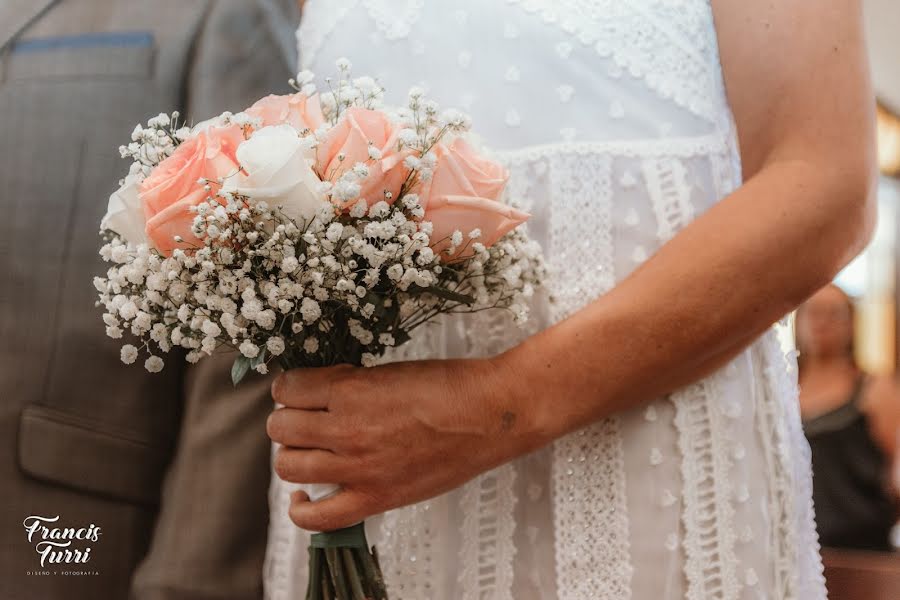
<point x="276" y="387"/>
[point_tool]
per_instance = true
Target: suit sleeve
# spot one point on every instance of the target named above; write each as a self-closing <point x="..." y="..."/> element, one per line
<point x="210" y="536"/>
<point x="237" y="61"/>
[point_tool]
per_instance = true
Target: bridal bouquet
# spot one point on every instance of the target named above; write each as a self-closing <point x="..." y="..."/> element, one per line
<point x="310" y="230"/>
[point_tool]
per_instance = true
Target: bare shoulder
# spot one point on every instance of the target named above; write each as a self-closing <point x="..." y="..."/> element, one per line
<point x="797" y="79"/>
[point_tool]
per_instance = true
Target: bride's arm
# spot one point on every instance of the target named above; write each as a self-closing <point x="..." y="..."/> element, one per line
<point x="797" y="78"/>
<point x="796" y="75"/>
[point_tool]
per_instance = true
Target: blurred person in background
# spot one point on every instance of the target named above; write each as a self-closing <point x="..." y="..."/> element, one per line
<point x="172" y="467"/>
<point x="851" y="421"/>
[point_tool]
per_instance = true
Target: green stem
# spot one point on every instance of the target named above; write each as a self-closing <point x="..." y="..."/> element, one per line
<point x="315" y="574"/>
<point x="373" y="573"/>
<point x="352" y="574"/>
<point x="338" y="574"/>
<point x="327" y="589"/>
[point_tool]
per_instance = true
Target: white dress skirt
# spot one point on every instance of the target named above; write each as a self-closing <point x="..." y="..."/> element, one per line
<point x="613" y="120"/>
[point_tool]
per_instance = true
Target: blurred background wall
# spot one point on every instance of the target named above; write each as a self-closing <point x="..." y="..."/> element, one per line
<point x="873" y="280"/>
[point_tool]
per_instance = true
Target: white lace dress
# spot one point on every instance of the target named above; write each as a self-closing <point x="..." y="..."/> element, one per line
<point x="613" y="119"/>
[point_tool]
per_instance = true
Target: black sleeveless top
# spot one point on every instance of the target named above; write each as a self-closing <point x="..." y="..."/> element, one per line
<point x="853" y="507"/>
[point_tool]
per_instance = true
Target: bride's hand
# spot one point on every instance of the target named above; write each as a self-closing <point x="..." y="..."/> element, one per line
<point x="395" y="434"/>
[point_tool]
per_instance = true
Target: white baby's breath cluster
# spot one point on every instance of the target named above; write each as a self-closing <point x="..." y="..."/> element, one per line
<point x="154" y="143"/>
<point x="341" y="286"/>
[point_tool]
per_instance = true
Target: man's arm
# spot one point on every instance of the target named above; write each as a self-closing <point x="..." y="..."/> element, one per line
<point x="210" y="537"/>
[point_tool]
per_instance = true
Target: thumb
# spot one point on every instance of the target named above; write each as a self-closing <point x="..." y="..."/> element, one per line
<point x="344" y="509"/>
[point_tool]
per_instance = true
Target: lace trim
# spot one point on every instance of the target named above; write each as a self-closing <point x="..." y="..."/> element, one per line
<point x="405" y="552"/>
<point x="393" y="22"/>
<point x="581" y="249"/>
<point x="771" y="433"/>
<point x="674" y="61"/>
<point x="670" y="195"/>
<point x="676" y="147"/>
<point x="590" y="512"/>
<point x="487" y="552"/>
<point x="788" y="460"/>
<point x="708" y="516"/>
<point x="590" y="515"/>
<point x="319" y="20"/>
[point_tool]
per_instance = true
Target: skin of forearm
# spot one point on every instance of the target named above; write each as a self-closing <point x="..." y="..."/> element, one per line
<point x="703" y="298"/>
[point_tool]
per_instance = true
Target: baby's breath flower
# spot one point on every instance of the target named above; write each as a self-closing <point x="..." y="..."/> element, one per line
<point x="311" y="345"/>
<point x="275" y="346"/>
<point x="154" y="364"/>
<point x="310" y="310"/>
<point x="249" y="349"/>
<point x="128" y="354"/>
<point x="290" y="264"/>
<point x="407" y="137"/>
<point x="359" y="209"/>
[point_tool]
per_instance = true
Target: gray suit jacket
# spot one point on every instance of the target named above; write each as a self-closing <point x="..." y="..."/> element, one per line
<point x="172" y="467"/>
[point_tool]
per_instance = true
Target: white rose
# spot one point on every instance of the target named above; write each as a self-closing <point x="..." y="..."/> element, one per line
<point x="125" y="214"/>
<point x="277" y="164"/>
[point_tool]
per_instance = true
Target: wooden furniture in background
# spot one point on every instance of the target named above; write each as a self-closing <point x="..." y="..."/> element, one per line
<point x="857" y="575"/>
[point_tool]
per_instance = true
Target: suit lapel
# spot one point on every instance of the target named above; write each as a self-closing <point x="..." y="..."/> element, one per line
<point x="16" y="15"/>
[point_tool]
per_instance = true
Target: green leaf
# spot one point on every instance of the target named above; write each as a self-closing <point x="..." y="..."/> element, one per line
<point x="450" y="295"/>
<point x="239" y="369"/>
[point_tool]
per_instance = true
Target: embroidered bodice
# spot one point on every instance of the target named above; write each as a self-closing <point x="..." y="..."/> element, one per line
<point x="613" y="118"/>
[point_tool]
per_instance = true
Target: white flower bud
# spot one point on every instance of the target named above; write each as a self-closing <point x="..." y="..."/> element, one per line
<point x="154" y="364"/>
<point x="311" y="345"/>
<point x="249" y="349"/>
<point x="275" y="345"/>
<point x="128" y="354"/>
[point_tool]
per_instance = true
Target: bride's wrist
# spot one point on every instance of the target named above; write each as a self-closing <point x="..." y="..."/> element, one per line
<point x="532" y="394"/>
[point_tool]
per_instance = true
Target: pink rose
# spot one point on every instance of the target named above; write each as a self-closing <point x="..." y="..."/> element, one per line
<point x="463" y="195"/>
<point x="351" y="139"/>
<point x="460" y="171"/>
<point x="297" y="110"/>
<point x="173" y="187"/>
<point x="465" y="214"/>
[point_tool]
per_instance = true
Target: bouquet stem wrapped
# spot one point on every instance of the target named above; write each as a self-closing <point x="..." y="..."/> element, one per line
<point x="341" y="565"/>
<point x="310" y="230"/>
